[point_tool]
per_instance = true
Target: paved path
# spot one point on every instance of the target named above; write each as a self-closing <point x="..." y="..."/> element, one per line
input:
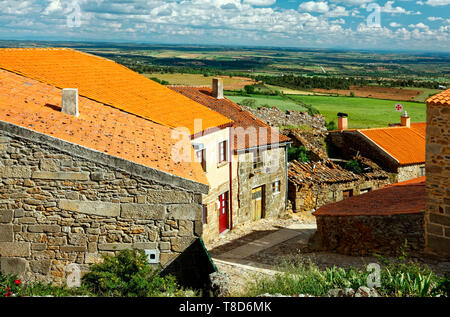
<point x="300" y="231"/>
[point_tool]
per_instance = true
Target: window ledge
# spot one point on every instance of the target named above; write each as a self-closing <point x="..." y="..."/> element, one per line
<point x="219" y="165"/>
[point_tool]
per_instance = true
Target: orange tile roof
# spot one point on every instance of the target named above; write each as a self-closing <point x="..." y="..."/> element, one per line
<point x="107" y="82"/>
<point x="37" y="106"/>
<point x="406" y="145"/>
<point x="240" y="117"/>
<point x="402" y="198"/>
<point x="442" y="98"/>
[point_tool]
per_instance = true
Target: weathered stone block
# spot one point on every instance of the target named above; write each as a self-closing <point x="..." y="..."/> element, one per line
<point x="165" y="196"/>
<point x="6" y="215"/>
<point x="48" y="165"/>
<point x="440" y="244"/>
<point x="14" y="249"/>
<point x="91" y="258"/>
<point x="38" y="246"/>
<point x="164" y="246"/>
<point x="185" y="212"/>
<point x="77" y="176"/>
<point x="27" y="220"/>
<point x="114" y="246"/>
<point x="145" y="245"/>
<point x="141" y="211"/>
<point x="72" y="248"/>
<point x="186" y="228"/>
<point x="18" y="213"/>
<point x="13" y="265"/>
<point x="15" y="172"/>
<point x="40" y="266"/>
<point x="179" y="244"/>
<point x="44" y="228"/>
<point x="98" y="208"/>
<point x="440" y="219"/>
<point x="6" y="233"/>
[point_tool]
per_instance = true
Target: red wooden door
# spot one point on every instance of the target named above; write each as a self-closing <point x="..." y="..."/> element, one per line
<point x="223" y="212"/>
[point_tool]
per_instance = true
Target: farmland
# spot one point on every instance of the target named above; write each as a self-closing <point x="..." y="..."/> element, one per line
<point x="363" y="112"/>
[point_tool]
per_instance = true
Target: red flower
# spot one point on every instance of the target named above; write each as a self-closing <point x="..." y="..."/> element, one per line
<point x="7" y="288"/>
<point x="17" y="282"/>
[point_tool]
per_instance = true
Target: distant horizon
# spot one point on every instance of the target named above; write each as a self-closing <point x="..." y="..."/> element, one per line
<point x="386" y="25"/>
<point x="180" y="44"/>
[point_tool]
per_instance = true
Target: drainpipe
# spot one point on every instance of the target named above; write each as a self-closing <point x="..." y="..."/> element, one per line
<point x="231" y="177"/>
<point x="286" y="176"/>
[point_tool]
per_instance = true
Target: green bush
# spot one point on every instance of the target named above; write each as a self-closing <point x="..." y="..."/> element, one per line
<point x="10" y="286"/>
<point x="398" y="279"/>
<point x="248" y="103"/>
<point x="331" y="126"/>
<point x="353" y="166"/>
<point x="128" y="275"/>
<point x="299" y="154"/>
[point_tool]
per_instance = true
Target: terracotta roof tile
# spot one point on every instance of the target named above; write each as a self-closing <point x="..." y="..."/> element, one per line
<point x="402" y="198"/>
<point x="242" y="119"/>
<point x="442" y="98"/>
<point x="406" y="145"/>
<point x="37" y="106"/>
<point x="110" y="83"/>
<point x="318" y="172"/>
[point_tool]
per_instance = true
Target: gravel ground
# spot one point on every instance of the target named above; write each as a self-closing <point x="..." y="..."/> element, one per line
<point x="293" y="249"/>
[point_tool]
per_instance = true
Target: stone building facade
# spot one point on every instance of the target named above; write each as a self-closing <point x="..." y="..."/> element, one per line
<point x="398" y="150"/>
<point x="61" y="203"/>
<point x="385" y="221"/>
<point x="313" y="185"/>
<point x="437" y="214"/>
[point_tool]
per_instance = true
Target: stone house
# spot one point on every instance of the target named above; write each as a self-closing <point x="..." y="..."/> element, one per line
<point x="399" y="150"/>
<point x="437" y="212"/>
<point x="91" y="162"/>
<point x="379" y="222"/>
<point x="313" y="185"/>
<point x="257" y="168"/>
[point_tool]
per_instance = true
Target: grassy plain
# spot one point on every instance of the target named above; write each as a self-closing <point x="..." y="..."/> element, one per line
<point x="230" y="83"/>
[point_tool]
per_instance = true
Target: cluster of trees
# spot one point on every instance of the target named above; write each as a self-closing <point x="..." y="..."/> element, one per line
<point x="325" y="82"/>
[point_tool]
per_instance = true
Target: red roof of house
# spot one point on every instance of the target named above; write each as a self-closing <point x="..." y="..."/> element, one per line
<point x="36" y="106"/>
<point x="258" y="132"/>
<point x="110" y="83"/>
<point x="401" y="198"/>
<point x="406" y="145"/>
<point x="442" y="98"/>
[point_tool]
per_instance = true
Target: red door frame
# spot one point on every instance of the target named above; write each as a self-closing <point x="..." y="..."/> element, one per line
<point x="223" y="212"/>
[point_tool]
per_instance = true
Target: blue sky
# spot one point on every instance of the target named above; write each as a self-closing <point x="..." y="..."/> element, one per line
<point x="402" y="24"/>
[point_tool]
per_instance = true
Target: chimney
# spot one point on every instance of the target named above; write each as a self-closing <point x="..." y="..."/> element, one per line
<point x="405" y="120"/>
<point x="217" y="88"/>
<point x="70" y="101"/>
<point x="342" y="121"/>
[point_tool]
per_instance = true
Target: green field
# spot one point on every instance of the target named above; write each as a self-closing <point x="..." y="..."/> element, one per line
<point x="363" y="112"/>
<point x="270" y="101"/>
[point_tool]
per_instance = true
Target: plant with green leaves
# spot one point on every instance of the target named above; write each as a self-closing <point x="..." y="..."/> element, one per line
<point x="128" y="275"/>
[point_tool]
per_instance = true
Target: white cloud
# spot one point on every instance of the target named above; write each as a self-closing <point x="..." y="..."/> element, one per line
<point x="435" y="19"/>
<point x="437" y="3"/>
<point x="260" y="3"/>
<point x="389" y="8"/>
<point x="419" y="25"/>
<point x="312" y="6"/>
<point x="338" y="11"/>
<point x="394" y="25"/>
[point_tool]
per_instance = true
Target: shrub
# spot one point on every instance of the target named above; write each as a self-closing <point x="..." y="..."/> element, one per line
<point x="331" y="126"/>
<point x="10" y="286"/>
<point x="128" y="274"/>
<point x="354" y="166"/>
<point x="300" y="154"/>
<point x="249" y="103"/>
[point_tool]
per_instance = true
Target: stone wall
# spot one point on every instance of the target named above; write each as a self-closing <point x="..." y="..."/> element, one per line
<point x="365" y="235"/>
<point x="310" y="197"/>
<point x="437" y="214"/>
<point x="408" y="172"/>
<point x="58" y="208"/>
<point x="277" y="118"/>
<point x="274" y="169"/>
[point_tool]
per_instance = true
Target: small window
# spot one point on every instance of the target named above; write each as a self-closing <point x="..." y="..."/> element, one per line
<point x="365" y="190"/>
<point x="347" y="193"/>
<point x="222" y="152"/>
<point x="258" y="159"/>
<point x="201" y="157"/>
<point x="205" y="214"/>
<point x="276" y="187"/>
<point x="422" y="171"/>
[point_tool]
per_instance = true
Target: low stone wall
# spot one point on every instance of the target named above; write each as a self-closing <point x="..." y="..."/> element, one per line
<point x="366" y="235"/>
<point x="310" y="197"/>
<point x="57" y="208"/>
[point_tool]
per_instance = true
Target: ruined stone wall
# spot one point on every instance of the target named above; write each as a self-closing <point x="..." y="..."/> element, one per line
<point x="410" y="172"/>
<point x="274" y="169"/>
<point x="365" y="235"/>
<point x="437" y="214"/>
<point x="57" y="208"/>
<point x="310" y="197"/>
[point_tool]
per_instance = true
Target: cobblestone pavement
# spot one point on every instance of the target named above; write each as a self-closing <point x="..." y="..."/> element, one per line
<point x="241" y="271"/>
